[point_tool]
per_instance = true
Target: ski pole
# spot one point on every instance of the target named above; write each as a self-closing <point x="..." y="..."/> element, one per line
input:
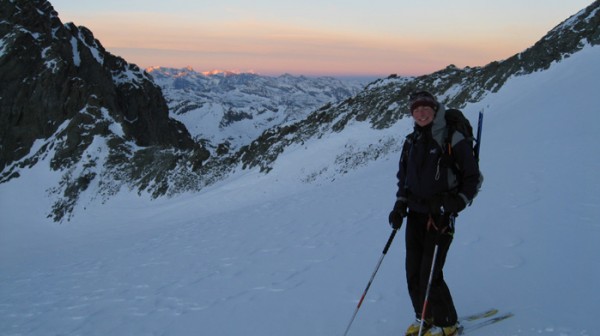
<point x="435" y="251"/>
<point x="385" y="249"/>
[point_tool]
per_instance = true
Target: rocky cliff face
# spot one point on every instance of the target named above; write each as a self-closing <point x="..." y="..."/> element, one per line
<point x="51" y="72"/>
<point x="62" y="93"/>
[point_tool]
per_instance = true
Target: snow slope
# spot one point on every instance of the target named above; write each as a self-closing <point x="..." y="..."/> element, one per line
<point x="276" y="255"/>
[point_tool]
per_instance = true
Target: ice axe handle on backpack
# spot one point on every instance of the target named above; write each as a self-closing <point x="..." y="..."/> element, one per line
<point x="479" y="127"/>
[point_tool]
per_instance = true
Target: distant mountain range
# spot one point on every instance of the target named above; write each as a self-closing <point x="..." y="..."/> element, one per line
<point x="102" y="124"/>
<point x="229" y="110"/>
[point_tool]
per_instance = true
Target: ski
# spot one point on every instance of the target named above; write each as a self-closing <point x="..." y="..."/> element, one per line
<point x="477" y="321"/>
<point x="478" y="316"/>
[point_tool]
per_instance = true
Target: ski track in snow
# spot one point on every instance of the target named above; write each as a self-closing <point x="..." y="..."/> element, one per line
<point x="269" y="255"/>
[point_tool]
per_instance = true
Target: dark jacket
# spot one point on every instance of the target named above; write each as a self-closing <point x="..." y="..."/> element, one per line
<point x="426" y="174"/>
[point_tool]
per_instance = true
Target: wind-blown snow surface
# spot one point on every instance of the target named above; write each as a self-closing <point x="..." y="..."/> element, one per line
<point x="272" y="255"/>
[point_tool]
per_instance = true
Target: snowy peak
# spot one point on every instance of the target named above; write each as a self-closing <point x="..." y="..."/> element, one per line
<point x="232" y="109"/>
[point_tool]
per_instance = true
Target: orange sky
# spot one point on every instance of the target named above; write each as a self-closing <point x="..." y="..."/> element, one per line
<point x="317" y="37"/>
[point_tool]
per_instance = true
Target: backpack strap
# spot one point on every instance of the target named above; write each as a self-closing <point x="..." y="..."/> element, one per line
<point x="447" y="155"/>
<point x="408" y="143"/>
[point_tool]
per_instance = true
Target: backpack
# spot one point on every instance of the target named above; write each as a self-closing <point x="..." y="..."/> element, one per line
<point x="457" y="122"/>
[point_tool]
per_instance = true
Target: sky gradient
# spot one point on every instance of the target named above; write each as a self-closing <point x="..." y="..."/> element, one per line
<point x="338" y="38"/>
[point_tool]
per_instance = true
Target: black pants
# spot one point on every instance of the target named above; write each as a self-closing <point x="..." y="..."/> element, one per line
<point x="420" y="243"/>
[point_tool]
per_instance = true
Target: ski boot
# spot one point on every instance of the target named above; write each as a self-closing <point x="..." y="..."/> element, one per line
<point x="413" y="329"/>
<point x="442" y="331"/>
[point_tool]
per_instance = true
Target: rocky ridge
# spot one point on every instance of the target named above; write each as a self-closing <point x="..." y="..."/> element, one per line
<point x="385" y="101"/>
<point x="95" y="116"/>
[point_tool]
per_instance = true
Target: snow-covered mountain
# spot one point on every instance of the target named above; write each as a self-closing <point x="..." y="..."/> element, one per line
<point x="290" y="252"/>
<point x="269" y="254"/>
<point x="103" y="126"/>
<point x="228" y="110"/>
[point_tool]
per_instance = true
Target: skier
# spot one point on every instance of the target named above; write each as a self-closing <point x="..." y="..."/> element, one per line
<point x="435" y="183"/>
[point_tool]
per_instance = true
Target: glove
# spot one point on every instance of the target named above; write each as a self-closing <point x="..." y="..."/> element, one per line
<point x="453" y="203"/>
<point x="397" y="215"/>
<point x="446" y="203"/>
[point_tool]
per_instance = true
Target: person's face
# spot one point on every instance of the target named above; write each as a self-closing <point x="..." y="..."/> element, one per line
<point x="423" y="115"/>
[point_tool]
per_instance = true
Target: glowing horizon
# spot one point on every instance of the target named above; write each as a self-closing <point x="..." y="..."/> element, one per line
<point x="348" y="39"/>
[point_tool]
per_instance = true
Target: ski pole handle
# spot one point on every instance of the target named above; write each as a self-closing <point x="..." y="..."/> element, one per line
<point x="389" y="242"/>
